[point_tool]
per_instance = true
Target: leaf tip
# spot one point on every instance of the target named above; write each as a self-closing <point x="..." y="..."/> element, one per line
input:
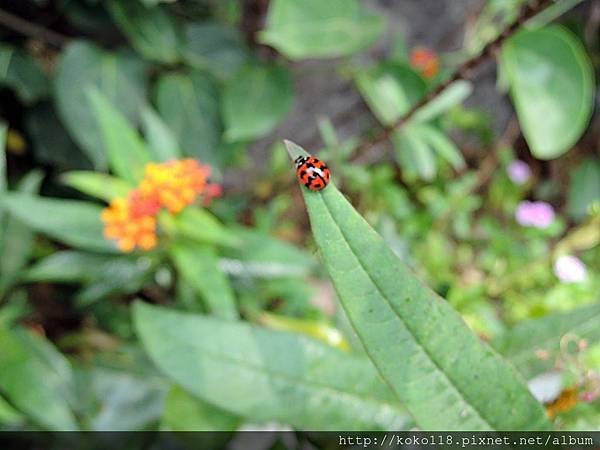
<point x="294" y="149"/>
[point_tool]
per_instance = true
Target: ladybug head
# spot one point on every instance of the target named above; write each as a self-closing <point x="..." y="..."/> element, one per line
<point x="300" y="160"/>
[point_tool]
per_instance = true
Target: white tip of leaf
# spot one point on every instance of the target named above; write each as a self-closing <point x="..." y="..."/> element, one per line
<point x="294" y="150"/>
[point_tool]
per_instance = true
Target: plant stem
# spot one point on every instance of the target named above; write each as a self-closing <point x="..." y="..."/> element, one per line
<point x="32" y="30"/>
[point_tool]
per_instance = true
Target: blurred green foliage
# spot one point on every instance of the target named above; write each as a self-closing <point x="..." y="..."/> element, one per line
<point x="248" y="328"/>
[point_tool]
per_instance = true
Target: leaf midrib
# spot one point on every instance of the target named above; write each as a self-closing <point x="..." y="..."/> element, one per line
<point x="391" y="305"/>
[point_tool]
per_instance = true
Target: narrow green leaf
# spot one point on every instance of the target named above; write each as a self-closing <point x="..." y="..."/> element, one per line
<point x="202" y="226"/>
<point x="73" y="222"/>
<point x="120" y="76"/>
<point x="532" y="346"/>
<point x="126" y="151"/>
<point x="151" y="30"/>
<point x="265" y="375"/>
<point x="552" y="85"/>
<point x="36" y="378"/>
<point x="317" y="29"/>
<point x="453" y="95"/>
<point x="70" y="266"/>
<point x="414" y="153"/>
<point x="199" y="267"/>
<point x="162" y="142"/>
<point x="419" y="344"/>
<point x="255" y="100"/>
<point x="96" y="184"/>
<point x="3" y="180"/>
<point x="442" y="145"/>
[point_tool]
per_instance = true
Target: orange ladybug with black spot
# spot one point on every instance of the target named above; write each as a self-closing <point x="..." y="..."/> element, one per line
<point x="312" y="172"/>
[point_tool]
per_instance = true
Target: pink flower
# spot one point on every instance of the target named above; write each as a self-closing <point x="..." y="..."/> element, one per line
<point x="519" y="172"/>
<point x="570" y="269"/>
<point x="535" y="214"/>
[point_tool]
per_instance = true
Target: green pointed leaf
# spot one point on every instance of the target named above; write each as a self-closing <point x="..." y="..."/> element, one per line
<point x="320" y="29"/>
<point x="199" y="267"/>
<point x="126" y="151"/>
<point x="73" y="222"/>
<point x="189" y="105"/>
<point x="552" y="86"/>
<point x="36" y="378"/>
<point x="453" y="95"/>
<point x="419" y="344"/>
<point x="119" y="76"/>
<point x="96" y="184"/>
<point x="523" y="344"/>
<point x="184" y="412"/>
<point x="442" y="145"/>
<point x="265" y="375"/>
<point x="19" y="71"/>
<point x="413" y="153"/>
<point x="256" y="100"/>
<point x="162" y="142"/>
<point x="202" y="226"/>
<point x="152" y="31"/>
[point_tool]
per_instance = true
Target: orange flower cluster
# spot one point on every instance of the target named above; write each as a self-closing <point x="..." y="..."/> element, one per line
<point x="425" y="61"/>
<point x="131" y="221"/>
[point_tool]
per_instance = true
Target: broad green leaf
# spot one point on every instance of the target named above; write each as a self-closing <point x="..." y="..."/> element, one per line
<point x="126" y="151"/>
<point x="453" y="95"/>
<point x="265" y="375"/>
<point x="119" y="76"/>
<point x="96" y="184"/>
<point x="552" y="86"/>
<point x="317" y="29"/>
<point x="50" y="140"/>
<point x="17" y="240"/>
<point x="189" y="105"/>
<point x="199" y="267"/>
<point x="214" y="47"/>
<point x="162" y="142"/>
<point x="184" y="412"/>
<point x="22" y="73"/>
<point x="532" y="346"/>
<point x="256" y="100"/>
<point x="584" y="189"/>
<point x="73" y="222"/>
<point x="126" y="401"/>
<point x="419" y="344"/>
<point x="151" y="30"/>
<point x="36" y="378"/>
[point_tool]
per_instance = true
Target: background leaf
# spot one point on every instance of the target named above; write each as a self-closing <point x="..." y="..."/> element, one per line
<point x="189" y="105"/>
<point x="36" y="378"/>
<point x="73" y="222"/>
<point x="255" y="100"/>
<point x="21" y="72"/>
<point x="198" y="266"/>
<point x="313" y="28"/>
<point x="584" y="189"/>
<point x="95" y="184"/>
<point x="551" y="83"/>
<point x="412" y="336"/>
<point x="293" y="379"/>
<point x="151" y="30"/>
<point x="162" y="143"/>
<point x="521" y="344"/>
<point x="120" y="76"/>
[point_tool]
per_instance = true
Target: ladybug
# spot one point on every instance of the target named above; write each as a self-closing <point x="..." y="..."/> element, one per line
<point x="312" y="172"/>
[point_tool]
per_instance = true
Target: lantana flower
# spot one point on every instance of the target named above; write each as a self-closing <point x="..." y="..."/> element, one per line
<point x="132" y="221"/>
